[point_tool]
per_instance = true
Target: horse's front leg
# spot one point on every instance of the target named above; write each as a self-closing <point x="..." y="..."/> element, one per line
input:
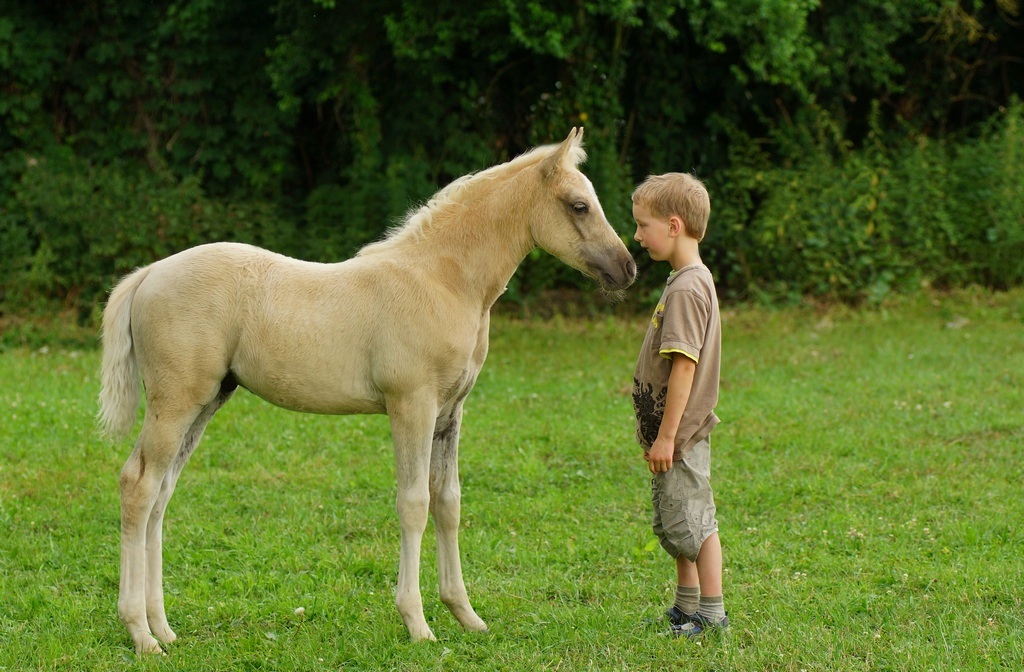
<point x="445" y="506"/>
<point x="412" y="426"/>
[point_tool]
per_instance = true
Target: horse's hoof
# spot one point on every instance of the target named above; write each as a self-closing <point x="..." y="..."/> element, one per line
<point x="427" y="636"/>
<point x="148" y="646"/>
<point x="165" y="635"/>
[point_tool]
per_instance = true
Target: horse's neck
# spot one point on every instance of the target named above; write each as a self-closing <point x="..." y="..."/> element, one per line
<point x="483" y="251"/>
<point x="471" y="245"/>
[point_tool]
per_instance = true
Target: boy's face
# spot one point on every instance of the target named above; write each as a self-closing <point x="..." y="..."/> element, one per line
<point x="655" y="234"/>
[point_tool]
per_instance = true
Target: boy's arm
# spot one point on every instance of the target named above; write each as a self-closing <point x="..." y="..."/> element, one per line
<point x="680" y="381"/>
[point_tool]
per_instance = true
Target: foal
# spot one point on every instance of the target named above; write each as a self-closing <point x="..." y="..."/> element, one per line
<point x="399" y="329"/>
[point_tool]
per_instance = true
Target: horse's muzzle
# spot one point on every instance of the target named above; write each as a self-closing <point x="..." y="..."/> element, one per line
<point x="618" y="274"/>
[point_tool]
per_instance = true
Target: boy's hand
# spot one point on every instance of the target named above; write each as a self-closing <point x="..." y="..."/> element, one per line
<point x="660" y="457"/>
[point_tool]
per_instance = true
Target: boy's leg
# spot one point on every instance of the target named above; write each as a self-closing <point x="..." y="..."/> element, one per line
<point x="686" y="573"/>
<point x="687" y="515"/>
<point x="708" y="567"/>
<point x="710" y="607"/>
<point x="699" y="588"/>
<point x="709" y="571"/>
<point x="687" y="592"/>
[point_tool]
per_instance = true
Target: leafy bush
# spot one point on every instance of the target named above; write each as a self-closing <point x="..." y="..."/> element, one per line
<point x="833" y="135"/>
<point x="988" y="182"/>
<point x="74" y="228"/>
<point x="855" y="225"/>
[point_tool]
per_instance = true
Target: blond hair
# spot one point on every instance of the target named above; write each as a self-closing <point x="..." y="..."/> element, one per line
<point x="679" y="194"/>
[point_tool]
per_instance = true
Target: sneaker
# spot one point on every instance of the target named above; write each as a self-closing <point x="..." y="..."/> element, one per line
<point x="697" y="625"/>
<point x="677" y="616"/>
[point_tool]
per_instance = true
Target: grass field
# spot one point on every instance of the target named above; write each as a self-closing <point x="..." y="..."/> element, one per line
<point x="868" y="474"/>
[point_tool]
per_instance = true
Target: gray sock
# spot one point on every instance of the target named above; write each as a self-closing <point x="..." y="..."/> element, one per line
<point x="687" y="599"/>
<point x="712" y="608"/>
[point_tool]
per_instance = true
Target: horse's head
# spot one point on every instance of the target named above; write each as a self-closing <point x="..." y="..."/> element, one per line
<point x="570" y="223"/>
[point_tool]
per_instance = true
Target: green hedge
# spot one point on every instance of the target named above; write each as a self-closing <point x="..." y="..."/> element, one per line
<point x="855" y="225"/>
<point x="72" y="228"/>
<point x="844" y="224"/>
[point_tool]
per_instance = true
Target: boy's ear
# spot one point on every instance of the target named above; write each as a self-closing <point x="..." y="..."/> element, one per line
<point x="675" y="225"/>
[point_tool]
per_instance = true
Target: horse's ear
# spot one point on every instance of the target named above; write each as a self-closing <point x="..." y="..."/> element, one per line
<point x="572" y="145"/>
<point x="570" y="152"/>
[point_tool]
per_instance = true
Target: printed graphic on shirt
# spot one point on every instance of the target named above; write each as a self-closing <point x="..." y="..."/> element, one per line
<point x="649" y="410"/>
<point x="658" y="313"/>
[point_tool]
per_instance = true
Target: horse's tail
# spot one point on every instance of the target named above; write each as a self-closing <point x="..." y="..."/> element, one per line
<point x="119" y="391"/>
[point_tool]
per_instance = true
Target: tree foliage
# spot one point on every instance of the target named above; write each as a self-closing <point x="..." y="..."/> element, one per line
<point x="132" y="129"/>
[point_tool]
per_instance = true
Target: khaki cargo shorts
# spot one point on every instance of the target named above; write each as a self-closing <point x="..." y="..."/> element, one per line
<point x="684" y="508"/>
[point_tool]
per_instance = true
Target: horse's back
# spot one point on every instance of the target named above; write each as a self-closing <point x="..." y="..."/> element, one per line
<point x="222" y="279"/>
<point x="211" y="265"/>
<point x="299" y="334"/>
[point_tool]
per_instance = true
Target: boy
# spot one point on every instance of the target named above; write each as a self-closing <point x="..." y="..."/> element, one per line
<point x="675" y="390"/>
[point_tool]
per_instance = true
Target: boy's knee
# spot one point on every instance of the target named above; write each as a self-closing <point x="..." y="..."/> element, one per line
<point x="689" y="543"/>
<point x="682" y="529"/>
<point x="685" y="545"/>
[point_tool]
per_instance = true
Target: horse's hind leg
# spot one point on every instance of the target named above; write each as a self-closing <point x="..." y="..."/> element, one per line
<point x="142" y="479"/>
<point x="155" y="612"/>
<point x="445" y="506"/>
<point x="169" y="434"/>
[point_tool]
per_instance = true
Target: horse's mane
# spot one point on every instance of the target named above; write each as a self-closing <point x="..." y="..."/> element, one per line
<point x="419" y="219"/>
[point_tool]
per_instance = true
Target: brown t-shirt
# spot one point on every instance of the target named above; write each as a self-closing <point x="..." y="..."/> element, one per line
<point x="686" y="321"/>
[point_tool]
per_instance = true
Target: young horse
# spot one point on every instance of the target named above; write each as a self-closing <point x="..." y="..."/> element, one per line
<point x="399" y="329"/>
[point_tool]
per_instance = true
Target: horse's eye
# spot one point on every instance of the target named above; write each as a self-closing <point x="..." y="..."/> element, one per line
<point x="580" y="208"/>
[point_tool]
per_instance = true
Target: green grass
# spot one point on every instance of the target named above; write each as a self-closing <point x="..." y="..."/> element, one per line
<point x="868" y="476"/>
